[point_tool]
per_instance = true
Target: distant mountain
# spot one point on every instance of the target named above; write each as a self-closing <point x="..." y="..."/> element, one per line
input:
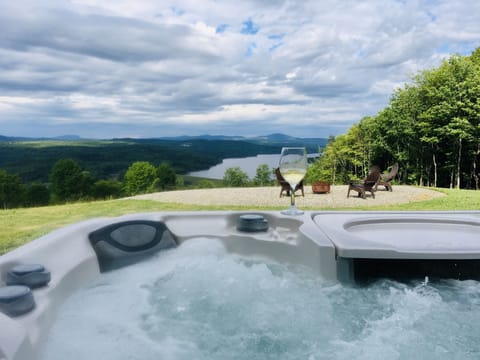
<point x="312" y="144"/>
<point x="202" y="137"/>
<point x="12" y="138"/>
<point x="19" y="138"/>
<point x="66" y="137"/>
<point x="278" y="140"/>
<point x="276" y="137"/>
<point x="272" y="138"/>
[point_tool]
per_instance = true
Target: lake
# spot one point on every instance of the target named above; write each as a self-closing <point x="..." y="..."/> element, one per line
<point x="248" y="165"/>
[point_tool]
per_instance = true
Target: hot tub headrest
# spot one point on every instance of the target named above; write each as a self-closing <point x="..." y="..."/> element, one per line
<point x="123" y="243"/>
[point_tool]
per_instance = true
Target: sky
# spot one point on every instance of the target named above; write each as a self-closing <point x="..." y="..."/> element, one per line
<point x="145" y="68"/>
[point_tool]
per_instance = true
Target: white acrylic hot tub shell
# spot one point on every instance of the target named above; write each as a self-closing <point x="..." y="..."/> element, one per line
<point x="315" y="239"/>
<point x="67" y="254"/>
<point x="400" y="235"/>
<point x="70" y="258"/>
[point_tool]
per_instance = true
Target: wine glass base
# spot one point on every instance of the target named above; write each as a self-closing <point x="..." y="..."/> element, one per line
<point x="292" y="211"/>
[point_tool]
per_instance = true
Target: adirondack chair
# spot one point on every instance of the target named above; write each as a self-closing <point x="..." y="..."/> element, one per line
<point x="369" y="184"/>
<point x="386" y="179"/>
<point x="285" y="186"/>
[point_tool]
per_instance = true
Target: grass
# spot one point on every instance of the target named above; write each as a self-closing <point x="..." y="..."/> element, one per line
<point x="454" y="200"/>
<point x="18" y="226"/>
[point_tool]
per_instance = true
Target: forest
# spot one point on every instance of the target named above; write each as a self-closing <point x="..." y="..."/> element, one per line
<point x="430" y="127"/>
<point x="43" y="172"/>
<point x="109" y="159"/>
<point x="32" y="160"/>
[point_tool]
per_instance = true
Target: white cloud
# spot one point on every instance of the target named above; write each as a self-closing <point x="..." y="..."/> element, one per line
<point x="149" y="67"/>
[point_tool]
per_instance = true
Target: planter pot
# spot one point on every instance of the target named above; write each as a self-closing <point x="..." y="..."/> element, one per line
<point x="320" y="187"/>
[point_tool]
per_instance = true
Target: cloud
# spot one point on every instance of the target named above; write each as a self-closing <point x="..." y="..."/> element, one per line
<point x="150" y="68"/>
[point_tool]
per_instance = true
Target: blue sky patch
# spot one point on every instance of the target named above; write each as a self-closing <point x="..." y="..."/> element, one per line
<point x="250" y="49"/>
<point x="249" y="28"/>
<point x="444" y="48"/>
<point x="276" y="36"/>
<point x="177" y="11"/>
<point x="452" y="48"/>
<point x="221" y="28"/>
<point x="361" y="54"/>
<point x="275" y="46"/>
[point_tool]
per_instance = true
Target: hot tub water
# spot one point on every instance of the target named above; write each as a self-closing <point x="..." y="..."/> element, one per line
<point x="200" y="302"/>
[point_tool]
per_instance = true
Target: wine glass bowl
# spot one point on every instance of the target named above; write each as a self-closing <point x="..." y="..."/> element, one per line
<point x="293" y="167"/>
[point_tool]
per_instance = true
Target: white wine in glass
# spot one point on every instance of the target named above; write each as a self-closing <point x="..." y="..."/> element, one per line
<point x="293" y="166"/>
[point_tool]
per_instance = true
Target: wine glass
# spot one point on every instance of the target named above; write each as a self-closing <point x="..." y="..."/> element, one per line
<point x="293" y="166"/>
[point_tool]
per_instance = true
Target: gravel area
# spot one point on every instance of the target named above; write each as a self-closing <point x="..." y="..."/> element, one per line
<point x="269" y="196"/>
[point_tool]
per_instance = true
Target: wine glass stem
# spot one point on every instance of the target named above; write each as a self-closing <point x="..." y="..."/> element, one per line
<point x="292" y="197"/>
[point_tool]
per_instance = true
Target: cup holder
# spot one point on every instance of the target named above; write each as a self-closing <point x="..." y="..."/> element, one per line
<point x="252" y="223"/>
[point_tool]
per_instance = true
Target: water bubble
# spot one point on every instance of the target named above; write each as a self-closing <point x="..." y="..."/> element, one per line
<point x="200" y="302"/>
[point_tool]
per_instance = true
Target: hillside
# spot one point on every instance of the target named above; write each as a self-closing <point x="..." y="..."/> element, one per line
<point x="32" y="159"/>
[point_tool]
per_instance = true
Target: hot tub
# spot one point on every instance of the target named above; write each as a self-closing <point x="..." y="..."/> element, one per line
<point x="336" y="246"/>
<point x="404" y="245"/>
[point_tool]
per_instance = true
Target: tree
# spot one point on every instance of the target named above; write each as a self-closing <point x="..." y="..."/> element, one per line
<point x="263" y="176"/>
<point x="166" y="176"/>
<point x="235" y="177"/>
<point x="11" y="190"/>
<point x="431" y="127"/>
<point x="37" y="195"/>
<point x="206" y="184"/>
<point x="319" y="171"/>
<point x="452" y="111"/>
<point x="140" y="178"/>
<point x="106" y="189"/>
<point x="370" y="140"/>
<point x="459" y="129"/>
<point x="68" y="181"/>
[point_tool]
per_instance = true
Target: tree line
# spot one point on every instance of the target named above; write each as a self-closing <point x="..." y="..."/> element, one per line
<point x="108" y="159"/>
<point x="431" y="127"/>
<point x="69" y="182"/>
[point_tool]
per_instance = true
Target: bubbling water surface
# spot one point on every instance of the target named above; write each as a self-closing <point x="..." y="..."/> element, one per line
<point x="200" y="302"/>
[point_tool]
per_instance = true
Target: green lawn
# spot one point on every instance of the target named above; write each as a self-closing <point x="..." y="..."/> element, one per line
<point x="18" y="226"/>
<point x="455" y="200"/>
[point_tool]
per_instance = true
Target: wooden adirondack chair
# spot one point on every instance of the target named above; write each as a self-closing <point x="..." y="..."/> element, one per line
<point x="285" y="186"/>
<point x="369" y="184"/>
<point x="386" y="179"/>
